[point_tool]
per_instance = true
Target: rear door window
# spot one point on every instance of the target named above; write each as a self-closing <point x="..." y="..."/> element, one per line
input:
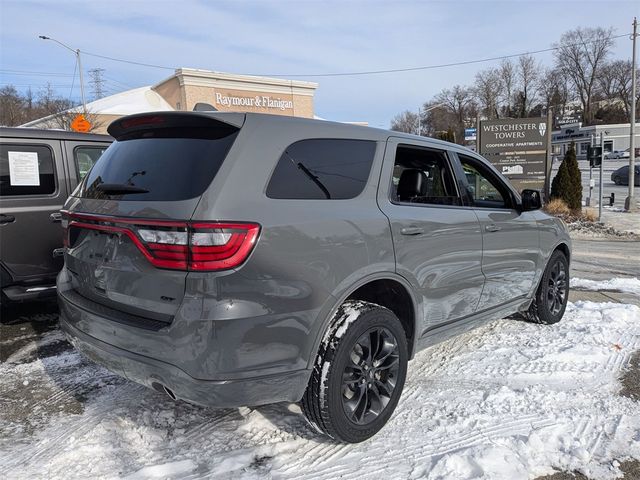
<point x="85" y="158"/>
<point x="26" y="170"/>
<point x="322" y="169"/>
<point x="160" y="165"/>
<point x="423" y="176"/>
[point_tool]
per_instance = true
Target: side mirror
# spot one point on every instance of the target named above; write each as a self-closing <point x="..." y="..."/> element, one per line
<point x="531" y="200"/>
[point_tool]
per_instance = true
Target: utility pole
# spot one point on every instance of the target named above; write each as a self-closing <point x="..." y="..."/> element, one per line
<point x="591" y="181"/>
<point x="630" y="202"/>
<point x="601" y="172"/>
<point x="77" y="54"/>
<point x="97" y="82"/>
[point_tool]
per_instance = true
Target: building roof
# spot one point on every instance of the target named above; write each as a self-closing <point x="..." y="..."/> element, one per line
<point x="137" y="100"/>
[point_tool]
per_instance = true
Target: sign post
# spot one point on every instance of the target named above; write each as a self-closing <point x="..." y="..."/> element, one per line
<point x="601" y="164"/>
<point x="519" y="149"/>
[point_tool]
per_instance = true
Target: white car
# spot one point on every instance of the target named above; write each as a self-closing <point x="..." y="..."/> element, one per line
<point x="617" y="154"/>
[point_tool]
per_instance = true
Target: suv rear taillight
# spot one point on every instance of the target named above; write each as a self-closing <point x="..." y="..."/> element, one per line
<point x="194" y="246"/>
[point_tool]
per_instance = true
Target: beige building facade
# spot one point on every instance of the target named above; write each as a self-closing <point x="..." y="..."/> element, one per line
<point x="188" y="87"/>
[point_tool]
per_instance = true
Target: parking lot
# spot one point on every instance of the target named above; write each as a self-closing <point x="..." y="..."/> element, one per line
<point x="538" y="398"/>
<point x="620" y="191"/>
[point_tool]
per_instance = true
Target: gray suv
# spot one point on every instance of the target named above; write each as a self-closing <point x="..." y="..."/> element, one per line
<point x="235" y="259"/>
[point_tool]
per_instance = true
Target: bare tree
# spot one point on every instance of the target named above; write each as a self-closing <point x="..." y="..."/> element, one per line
<point x="406" y="122"/>
<point x="460" y="102"/>
<point x="509" y="79"/>
<point x="580" y="56"/>
<point x="528" y="71"/>
<point x="615" y="83"/>
<point x="554" y="90"/>
<point x="436" y="118"/>
<point x="11" y="106"/>
<point x="487" y="89"/>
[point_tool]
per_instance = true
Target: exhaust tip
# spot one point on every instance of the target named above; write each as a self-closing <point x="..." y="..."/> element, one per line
<point x="169" y="392"/>
<point x="158" y="387"/>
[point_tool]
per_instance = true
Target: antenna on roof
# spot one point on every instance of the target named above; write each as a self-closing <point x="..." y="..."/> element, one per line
<point x="204" y="107"/>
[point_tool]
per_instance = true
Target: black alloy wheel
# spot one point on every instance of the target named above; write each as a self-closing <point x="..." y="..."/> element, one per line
<point x="369" y="378"/>
<point x="359" y="373"/>
<point x="551" y="297"/>
<point x="556" y="288"/>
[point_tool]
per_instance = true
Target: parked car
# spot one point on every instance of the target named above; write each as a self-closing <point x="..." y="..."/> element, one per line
<point x="615" y="154"/>
<point x="235" y="259"/>
<point x="38" y="170"/>
<point x="621" y="175"/>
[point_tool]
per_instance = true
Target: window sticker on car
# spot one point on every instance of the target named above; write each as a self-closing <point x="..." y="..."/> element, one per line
<point x="23" y="169"/>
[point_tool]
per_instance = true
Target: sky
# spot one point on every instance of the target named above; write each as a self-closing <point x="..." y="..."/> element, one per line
<point x="283" y="37"/>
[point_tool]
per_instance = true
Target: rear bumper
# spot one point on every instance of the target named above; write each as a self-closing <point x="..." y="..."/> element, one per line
<point x="155" y="374"/>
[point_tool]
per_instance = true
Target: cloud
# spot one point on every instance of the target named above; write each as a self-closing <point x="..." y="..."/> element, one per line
<point x="289" y="37"/>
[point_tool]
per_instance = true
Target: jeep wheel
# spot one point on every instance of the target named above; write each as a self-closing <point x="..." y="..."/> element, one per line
<point x="550" y="301"/>
<point x="359" y="373"/>
<point x="617" y="180"/>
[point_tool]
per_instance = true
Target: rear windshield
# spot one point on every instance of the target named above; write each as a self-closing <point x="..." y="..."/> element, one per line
<point x="163" y="165"/>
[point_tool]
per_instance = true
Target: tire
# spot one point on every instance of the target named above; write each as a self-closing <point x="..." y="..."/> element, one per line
<point x="617" y="180"/>
<point x="353" y="412"/>
<point x="551" y="298"/>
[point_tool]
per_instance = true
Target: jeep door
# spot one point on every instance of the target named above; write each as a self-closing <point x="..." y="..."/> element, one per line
<point x="510" y="239"/>
<point x="437" y="239"/>
<point x="32" y="187"/>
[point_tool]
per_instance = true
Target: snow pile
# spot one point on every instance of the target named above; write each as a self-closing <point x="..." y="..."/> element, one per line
<point x="509" y="400"/>
<point x="581" y="228"/>
<point x="625" y="285"/>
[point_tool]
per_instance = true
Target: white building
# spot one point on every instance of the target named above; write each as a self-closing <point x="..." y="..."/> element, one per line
<point x="616" y="137"/>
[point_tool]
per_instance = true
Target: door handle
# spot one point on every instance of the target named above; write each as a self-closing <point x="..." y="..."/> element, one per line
<point x="58" y="252"/>
<point x="4" y="219"/>
<point x="493" y="228"/>
<point x="55" y="217"/>
<point x="411" y="230"/>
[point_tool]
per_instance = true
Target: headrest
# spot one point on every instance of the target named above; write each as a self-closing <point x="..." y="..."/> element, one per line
<point x="413" y="183"/>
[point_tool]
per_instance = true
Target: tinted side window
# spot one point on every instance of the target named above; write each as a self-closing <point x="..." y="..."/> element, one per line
<point x="85" y="158"/>
<point x="322" y="169"/>
<point x="422" y="175"/>
<point x="485" y="190"/>
<point x="26" y="170"/>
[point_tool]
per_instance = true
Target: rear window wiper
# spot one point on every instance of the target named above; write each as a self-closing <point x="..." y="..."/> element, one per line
<point x="120" y="189"/>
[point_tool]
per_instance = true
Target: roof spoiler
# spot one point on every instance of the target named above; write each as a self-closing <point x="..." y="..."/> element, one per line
<point x="134" y="124"/>
<point x="204" y="107"/>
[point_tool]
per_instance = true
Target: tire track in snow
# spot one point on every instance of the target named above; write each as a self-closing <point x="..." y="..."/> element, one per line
<point x="440" y="445"/>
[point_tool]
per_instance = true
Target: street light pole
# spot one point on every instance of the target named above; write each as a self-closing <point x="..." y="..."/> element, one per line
<point x="630" y="202"/>
<point x="77" y="54"/>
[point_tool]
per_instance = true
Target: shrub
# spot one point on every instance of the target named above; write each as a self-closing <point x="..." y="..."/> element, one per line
<point x="567" y="184"/>
<point x="590" y="215"/>
<point x="557" y="206"/>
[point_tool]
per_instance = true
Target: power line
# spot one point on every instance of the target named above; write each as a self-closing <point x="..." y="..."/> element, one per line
<point x="372" y="72"/>
<point x="431" y="67"/>
<point x="128" y="61"/>
<point x="26" y="72"/>
<point x="73" y="81"/>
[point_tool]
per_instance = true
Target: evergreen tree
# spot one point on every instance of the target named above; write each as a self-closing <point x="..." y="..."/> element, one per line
<point x="567" y="184"/>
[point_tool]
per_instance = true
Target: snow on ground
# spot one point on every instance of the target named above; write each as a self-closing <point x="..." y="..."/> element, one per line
<point x="625" y="285"/>
<point x="510" y="400"/>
